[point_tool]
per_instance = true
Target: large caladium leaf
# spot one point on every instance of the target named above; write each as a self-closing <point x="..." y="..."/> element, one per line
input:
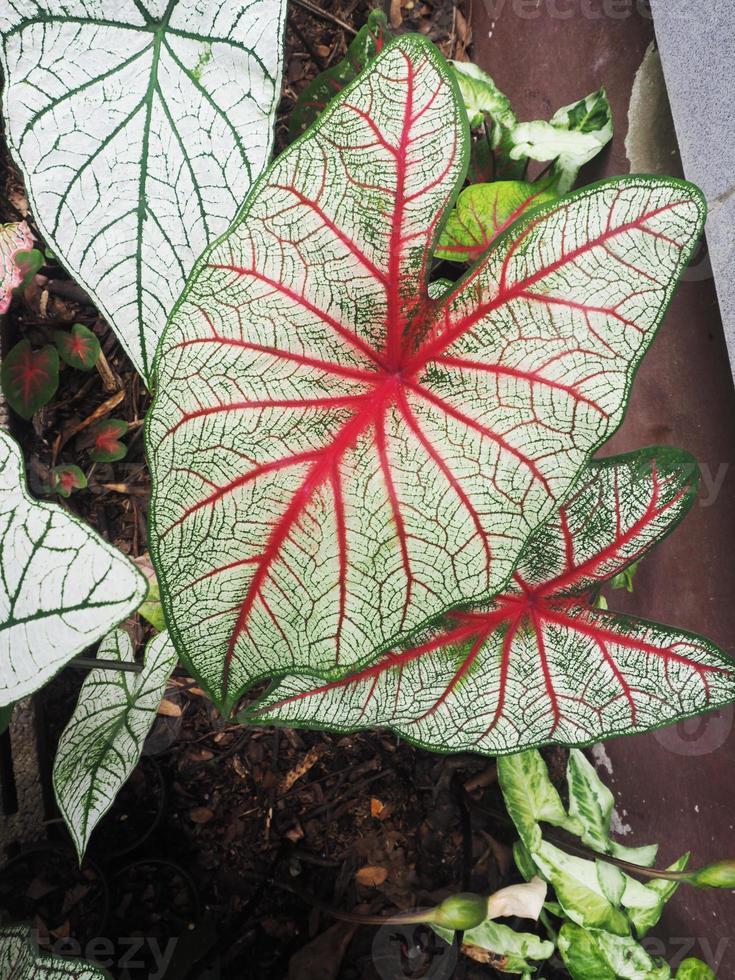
<point x="338" y="457"/>
<point x="102" y="743"/>
<point x="139" y="127"/>
<point x="21" y="959"/>
<point x="15" y="240"/>
<point x="61" y="586"/>
<point x="539" y="663"/>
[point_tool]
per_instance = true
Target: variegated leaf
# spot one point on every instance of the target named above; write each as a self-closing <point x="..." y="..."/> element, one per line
<point x="21" y="959"/>
<point x="139" y="127"/>
<point x="102" y="743"/>
<point x="539" y="664"/>
<point x="61" y="586"/>
<point x="14" y="238"/>
<point x="337" y="458"/>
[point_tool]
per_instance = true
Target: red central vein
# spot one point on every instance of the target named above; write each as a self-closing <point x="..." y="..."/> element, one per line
<point x="301" y="300"/>
<point x="506" y="294"/>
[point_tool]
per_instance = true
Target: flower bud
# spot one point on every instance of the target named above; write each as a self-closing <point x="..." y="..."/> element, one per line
<point x="721" y="874"/>
<point x="463" y="911"/>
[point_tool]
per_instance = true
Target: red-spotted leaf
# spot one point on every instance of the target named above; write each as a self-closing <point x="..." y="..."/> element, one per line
<point x="79" y="348"/>
<point x="106" y="444"/>
<point x="482" y="212"/>
<point x="30" y="377"/>
<point x="338" y="457"/>
<point x="64" y="480"/>
<point x="539" y="663"/>
<point x="16" y="241"/>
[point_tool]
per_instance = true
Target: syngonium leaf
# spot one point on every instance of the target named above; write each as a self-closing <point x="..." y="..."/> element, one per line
<point x="337" y="457"/>
<point x="21" y="959"/>
<point x="514" y="952"/>
<point x="368" y="42"/>
<point x="102" y="743"/>
<point x="539" y="664"/>
<point x="15" y="240"/>
<point x="61" y="586"/>
<point x="482" y="212"/>
<point x="139" y="128"/>
<point x="597" y="955"/>
<point x="572" y="137"/>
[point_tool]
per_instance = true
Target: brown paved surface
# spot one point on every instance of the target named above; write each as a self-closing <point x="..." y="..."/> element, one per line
<point x="677" y="785"/>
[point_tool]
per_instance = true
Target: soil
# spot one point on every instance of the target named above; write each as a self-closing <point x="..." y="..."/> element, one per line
<point x="234" y="840"/>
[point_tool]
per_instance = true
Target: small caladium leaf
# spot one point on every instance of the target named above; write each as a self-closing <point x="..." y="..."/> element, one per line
<point x="29" y="377"/>
<point x="336" y="457"/>
<point x="139" y="127"/>
<point x="61" y="586"/>
<point x="595" y="954"/>
<point x="106" y="438"/>
<point x="539" y="664"/>
<point x="65" y="479"/>
<point x="482" y="212"/>
<point x="79" y="347"/>
<point x="516" y="951"/>
<point x="21" y="959"/>
<point x="102" y="743"/>
<point x="573" y="136"/>
<point x="16" y="241"/>
<point x="368" y="42"/>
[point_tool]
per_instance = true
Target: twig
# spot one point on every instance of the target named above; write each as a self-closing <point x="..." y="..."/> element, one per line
<point x="100" y="412"/>
<point x="318" y="12"/>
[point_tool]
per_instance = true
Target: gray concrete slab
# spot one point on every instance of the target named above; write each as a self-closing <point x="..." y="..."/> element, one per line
<point x="697" y="44"/>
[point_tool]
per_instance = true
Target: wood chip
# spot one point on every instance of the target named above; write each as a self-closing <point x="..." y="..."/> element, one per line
<point x="396" y="17"/>
<point x="371" y="875"/>
<point x="169" y="709"/>
<point x="300" y="769"/>
<point x="200" y="814"/>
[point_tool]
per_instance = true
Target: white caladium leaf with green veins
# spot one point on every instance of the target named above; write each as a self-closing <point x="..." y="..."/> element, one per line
<point x="572" y="137"/>
<point x="139" y="128"/>
<point x="61" y="585"/>
<point x="337" y="458"/>
<point x="103" y="741"/>
<point x="21" y="959"/>
<point x="538" y="663"/>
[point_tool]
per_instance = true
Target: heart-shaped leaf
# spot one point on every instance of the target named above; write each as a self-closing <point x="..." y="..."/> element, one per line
<point x="15" y="241"/>
<point x="21" y="959"/>
<point x="102" y="743"/>
<point x="337" y="457"/>
<point x="29" y="377"/>
<point x="106" y="444"/>
<point x="79" y="348"/>
<point x="139" y="128"/>
<point x="594" y="954"/>
<point x="539" y="664"/>
<point x="514" y="950"/>
<point x="368" y="42"/>
<point x="61" y="586"/>
<point x="64" y="480"/>
<point x="482" y="212"/>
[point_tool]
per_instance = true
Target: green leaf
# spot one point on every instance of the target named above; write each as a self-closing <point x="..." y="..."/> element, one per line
<point x="6" y="716"/>
<point x="65" y="479"/>
<point x="529" y="795"/>
<point x="61" y="586"/>
<point x="591" y="804"/>
<point x="573" y="136"/>
<point x="482" y="212"/>
<point x="482" y="97"/>
<point x="79" y="348"/>
<point x="624" y="579"/>
<point x="646" y="918"/>
<point x="516" y="950"/>
<point x="21" y="959"/>
<point x="139" y="128"/>
<point x="102" y="743"/>
<point x="591" y="955"/>
<point x="29" y="377"/>
<point x="368" y="42"/>
<point x="539" y="664"/>
<point x="106" y="444"/>
<point x="28" y="262"/>
<point x="16" y="241"/>
<point x="337" y="460"/>
<point x="694" y="969"/>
